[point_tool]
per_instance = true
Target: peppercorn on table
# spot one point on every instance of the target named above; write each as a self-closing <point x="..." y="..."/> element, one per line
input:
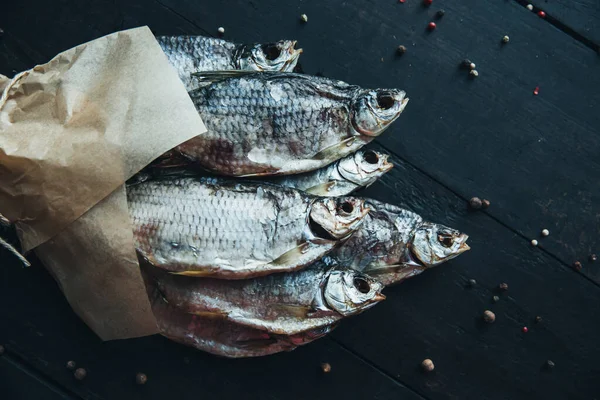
<point x="499" y="141"/>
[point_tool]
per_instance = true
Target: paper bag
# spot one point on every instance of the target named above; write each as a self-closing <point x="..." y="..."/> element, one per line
<point x="72" y="131"/>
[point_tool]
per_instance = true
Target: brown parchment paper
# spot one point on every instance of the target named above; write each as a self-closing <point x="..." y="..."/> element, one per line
<point x="72" y="131"/>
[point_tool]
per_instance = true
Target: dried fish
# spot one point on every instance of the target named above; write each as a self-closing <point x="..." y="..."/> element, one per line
<point x="284" y="304"/>
<point x="394" y="244"/>
<point x="222" y="337"/>
<point x="207" y="227"/>
<point x="190" y="54"/>
<point x="274" y="123"/>
<point x="343" y="177"/>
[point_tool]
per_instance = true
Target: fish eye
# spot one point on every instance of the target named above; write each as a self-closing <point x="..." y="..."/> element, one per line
<point x="347" y="207"/>
<point x="385" y="100"/>
<point x="271" y="51"/>
<point x="362" y="285"/>
<point x="371" y="157"/>
<point x="445" y="240"/>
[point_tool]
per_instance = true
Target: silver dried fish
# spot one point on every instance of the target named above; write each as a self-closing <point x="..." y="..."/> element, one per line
<point x="358" y="170"/>
<point x="283" y="123"/>
<point x="206" y="227"/>
<point x="284" y="304"/>
<point x="222" y="337"/>
<point x="190" y="54"/>
<point x="393" y="244"/>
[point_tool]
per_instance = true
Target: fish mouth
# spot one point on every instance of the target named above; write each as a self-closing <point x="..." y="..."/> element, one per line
<point x="403" y="102"/>
<point x="379" y="297"/>
<point x="293" y="55"/>
<point x="463" y="243"/>
<point x="386" y="165"/>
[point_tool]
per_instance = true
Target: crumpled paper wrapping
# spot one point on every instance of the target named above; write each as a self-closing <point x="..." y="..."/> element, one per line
<point x="72" y="131"/>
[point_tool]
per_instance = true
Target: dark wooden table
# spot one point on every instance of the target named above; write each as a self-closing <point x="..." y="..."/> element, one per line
<point x="536" y="158"/>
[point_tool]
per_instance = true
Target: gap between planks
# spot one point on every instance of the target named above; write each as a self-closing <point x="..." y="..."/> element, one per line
<point x="563" y="27"/>
<point x="21" y="363"/>
<point x="371" y="364"/>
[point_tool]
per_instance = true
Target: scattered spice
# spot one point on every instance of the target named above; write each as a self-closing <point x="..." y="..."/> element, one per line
<point x="505" y="39"/>
<point x="577" y="266"/>
<point x="503" y="286"/>
<point x="538" y="319"/>
<point x="541" y="14"/>
<point x="304" y="18"/>
<point x="474" y="73"/>
<point x="593" y="257"/>
<point x="524" y="329"/>
<point x="401" y="49"/>
<point x="545" y="232"/>
<point x="141" y="379"/>
<point x="431" y="26"/>
<point x="496" y="299"/>
<point x="530" y="7"/>
<point x="534" y="242"/>
<point x="485" y="203"/>
<point x="80" y="374"/>
<point x="326" y="368"/>
<point x="2" y="350"/>
<point x="71" y="365"/>
<point x="440" y="13"/>
<point x="221" y="30"/>
<point x="549" y="364"/>
<point x="489" y="316"/>
<point x="427" y="365"/>
<point x="472" y="282"/>
<point x="475" y="203"/>
<point x="536" y="91"/>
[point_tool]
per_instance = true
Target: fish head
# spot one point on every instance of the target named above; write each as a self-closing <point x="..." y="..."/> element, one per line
<point x="278" y="56"/>
<point x="337" y="217"/>
<point x="374" y="110"/>
<point x="364" y="167"/>
<point x="434" y="244"/>
<point x="349" y="292"/>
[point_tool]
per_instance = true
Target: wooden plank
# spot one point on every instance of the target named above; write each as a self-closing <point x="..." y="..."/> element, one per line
<point x="577" y="17"/>
<point x="433" y="315"/>
<point x="534" y="157"/>
<point x="18" y="383"/>
<point x="42" y="329"/>
<point x="437" y="316"/>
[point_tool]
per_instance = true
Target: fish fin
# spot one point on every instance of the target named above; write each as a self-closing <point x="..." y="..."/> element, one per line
<point x="216" y="76"/>
<point x="210" y="314"/>
<point x="266" y="171"/>
<point x="193" y="273"/>
<point x="322" y="189"/>
<point x="255" y="343"/>
<point x="296" y="310"/>
<point x="292" y="256"/>
<point x="383" y="268"/>
<point x="334" y="151"/>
